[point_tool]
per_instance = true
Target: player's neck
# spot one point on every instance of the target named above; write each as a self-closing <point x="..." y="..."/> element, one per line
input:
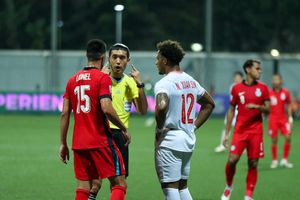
<point x="250" y="81"/>
<point x="175" y="68"/>
<point x="94" y="64"/>
<point x="277" y="89"/>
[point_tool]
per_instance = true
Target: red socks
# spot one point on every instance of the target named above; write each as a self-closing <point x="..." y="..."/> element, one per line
<point x="274" y="151"/>
<point x="118" y="193"/>
<point x="251" y="181"/>
<point x="82" y="194"/>
<point x="286" y="150"/>
<point x="229" y="171"/>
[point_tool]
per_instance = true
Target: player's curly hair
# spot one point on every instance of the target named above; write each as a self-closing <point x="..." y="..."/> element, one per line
<point x="171" y="50"/>
<point x="249" y="63"/>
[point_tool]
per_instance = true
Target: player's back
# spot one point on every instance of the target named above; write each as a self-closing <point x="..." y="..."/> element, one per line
<point x="91" y="126"/>
<point x="183" y="92"/>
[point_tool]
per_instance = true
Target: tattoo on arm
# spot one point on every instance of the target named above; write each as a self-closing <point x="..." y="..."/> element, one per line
<point x="161" y="109"/>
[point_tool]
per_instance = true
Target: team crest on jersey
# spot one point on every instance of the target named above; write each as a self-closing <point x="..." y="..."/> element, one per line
<point x="258" y="92"/>
<point x="282" y="96"/>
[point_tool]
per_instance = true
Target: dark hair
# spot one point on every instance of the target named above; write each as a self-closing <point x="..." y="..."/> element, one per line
<point x="95" y="48"/>
<point x="238" y="73"/>
<point x="249" y="63"/>
<point x="119" y="46"/>
<point x="171" y="50"/>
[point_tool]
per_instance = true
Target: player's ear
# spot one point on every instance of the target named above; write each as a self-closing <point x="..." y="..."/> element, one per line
<point x="102" y="60"/>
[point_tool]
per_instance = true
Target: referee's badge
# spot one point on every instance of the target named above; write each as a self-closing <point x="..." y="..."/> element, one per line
<point x="257" y="92"/>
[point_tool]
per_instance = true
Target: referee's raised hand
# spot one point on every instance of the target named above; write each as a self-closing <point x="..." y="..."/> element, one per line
<point x="135" y="74"/>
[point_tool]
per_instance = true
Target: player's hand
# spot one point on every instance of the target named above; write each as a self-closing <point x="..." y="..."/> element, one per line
<point x="291" y="121"/>
<point x="252" y="106"/>
<point x="105" y="69"/>
<point x="226" y="141"/>
<point x="135" y="74"/>
<point x="64" y="155"/>
<point x="127" y="137"/>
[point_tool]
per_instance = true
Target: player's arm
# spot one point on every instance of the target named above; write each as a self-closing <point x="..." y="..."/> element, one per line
<point x="265" y="108"/>
<point x="290" y="113"/>
<point x="229" y="118"/>
<point x="207" y="105"/>
<point x="64" y="126"/>
<point x="140" y="102"/>
<point x="111" y="114"/>
<point x="161" y="109"/>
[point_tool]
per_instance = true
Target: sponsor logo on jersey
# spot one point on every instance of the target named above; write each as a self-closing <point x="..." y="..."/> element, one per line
<point x="258" y="92"/>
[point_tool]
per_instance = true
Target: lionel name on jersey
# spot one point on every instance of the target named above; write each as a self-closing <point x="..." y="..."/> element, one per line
<point x="185" y="85"/>
<point x="84" y="77"/>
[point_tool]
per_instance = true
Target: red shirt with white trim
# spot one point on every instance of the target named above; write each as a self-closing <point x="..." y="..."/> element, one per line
<point x="249" y="121"/>
<point x="84" y="90"/>
<point x="279" y="99"/>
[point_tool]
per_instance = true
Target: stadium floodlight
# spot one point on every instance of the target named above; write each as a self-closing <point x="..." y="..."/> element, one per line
<point x="274" y="53"/>
<point x="119" y="8"/>
<point x="196" y="47"/>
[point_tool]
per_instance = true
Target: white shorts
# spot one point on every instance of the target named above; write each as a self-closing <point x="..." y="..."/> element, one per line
<point x="171" y="165"/>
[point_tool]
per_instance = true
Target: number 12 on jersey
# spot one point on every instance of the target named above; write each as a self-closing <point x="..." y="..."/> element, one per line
<point x="187" y="102"/>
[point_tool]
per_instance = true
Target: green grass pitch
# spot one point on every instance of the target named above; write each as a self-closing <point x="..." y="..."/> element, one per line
<point x="30" y="168"/>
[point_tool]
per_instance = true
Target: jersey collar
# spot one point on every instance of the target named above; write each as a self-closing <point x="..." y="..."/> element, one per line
<point x="89" y="68"/>
<point x="254" y="83"/>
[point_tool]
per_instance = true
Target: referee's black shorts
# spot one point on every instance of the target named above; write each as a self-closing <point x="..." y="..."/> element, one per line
<point x="120" y="142"/>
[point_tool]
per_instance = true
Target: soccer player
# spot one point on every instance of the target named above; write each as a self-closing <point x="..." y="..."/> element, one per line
<point x="252" y="99"/>
<point x="176" y="97"/>
<point x="237" y="78"/>
<point x="278" y="120"/>
<point x="126" y="90"/>
<point x="88" y="95"/>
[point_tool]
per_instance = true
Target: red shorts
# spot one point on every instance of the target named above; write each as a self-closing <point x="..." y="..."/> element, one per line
<point x="98" y="163"/>
<point x="282" y="125"/>
<point x="252" y="142"/>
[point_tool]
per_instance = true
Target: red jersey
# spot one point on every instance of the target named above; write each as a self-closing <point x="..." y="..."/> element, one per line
<point x="278" y="101"/>
<point x="249" y="120"/>
<point x="84" y="90"/>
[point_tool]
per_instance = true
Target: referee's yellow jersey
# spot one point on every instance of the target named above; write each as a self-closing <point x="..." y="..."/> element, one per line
<point x="123" y="93"/>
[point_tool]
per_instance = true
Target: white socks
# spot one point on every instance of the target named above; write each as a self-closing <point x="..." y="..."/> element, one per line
<point x="185" y="194"/>
<point x="171" y="194"/>
<point x="175" y="194"/>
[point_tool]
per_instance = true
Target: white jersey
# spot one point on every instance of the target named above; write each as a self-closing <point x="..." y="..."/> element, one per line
<point x="183" y="92"/>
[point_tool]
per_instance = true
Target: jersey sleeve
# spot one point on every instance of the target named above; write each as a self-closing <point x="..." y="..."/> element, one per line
<point x="200" y="91"/>
<point x="233" y="96"/>
<point x="133" y="91"/>
<point x="105" y="87"/>
<point x="161" y="87"/>
<point x="266" y="94"/>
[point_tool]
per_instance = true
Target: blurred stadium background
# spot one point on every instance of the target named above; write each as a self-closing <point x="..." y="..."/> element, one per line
<point x="43" y="44"/>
